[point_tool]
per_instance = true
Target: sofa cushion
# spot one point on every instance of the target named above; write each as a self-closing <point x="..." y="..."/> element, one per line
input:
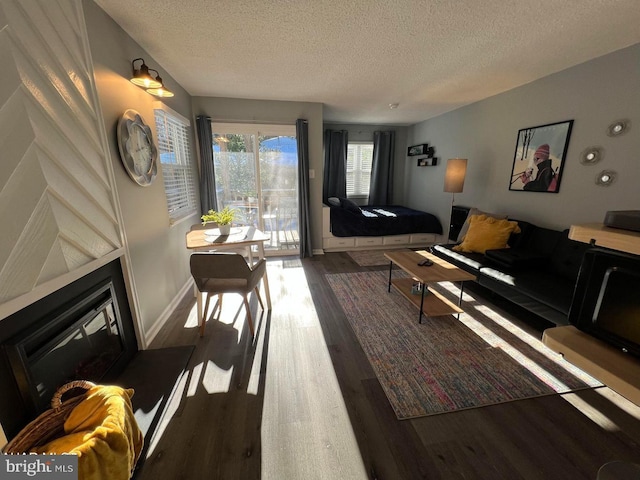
<point x="540" y="240"/>
<point x="515" y="258"/>
<point x="471" y="262"/>
<point x="548" y="289"/>
<point x="567" y="257"/>
<point x="486" y="233"/>
<point x="475" y="211"/>
<point x="517" y="240"/>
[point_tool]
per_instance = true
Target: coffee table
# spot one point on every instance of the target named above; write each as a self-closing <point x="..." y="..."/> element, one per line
<point x="432" y="304"/>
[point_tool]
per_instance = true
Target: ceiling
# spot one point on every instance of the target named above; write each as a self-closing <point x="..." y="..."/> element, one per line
<point x="359" y="56"/>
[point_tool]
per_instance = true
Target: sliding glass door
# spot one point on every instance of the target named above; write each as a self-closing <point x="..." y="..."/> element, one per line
<point x="256" y="170"/>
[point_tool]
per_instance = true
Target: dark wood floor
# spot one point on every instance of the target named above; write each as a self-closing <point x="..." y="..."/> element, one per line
<point x="302" y="402"/>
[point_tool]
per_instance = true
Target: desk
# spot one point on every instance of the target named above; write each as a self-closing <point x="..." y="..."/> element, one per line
<point x="203" y="240"/>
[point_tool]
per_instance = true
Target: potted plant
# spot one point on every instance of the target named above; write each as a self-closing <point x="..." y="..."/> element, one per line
<point x="223" y="218"/>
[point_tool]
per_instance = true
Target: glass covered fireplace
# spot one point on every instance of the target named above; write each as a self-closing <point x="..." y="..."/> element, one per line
<point x="83" y="342"/>
<point x="81" y="332"/>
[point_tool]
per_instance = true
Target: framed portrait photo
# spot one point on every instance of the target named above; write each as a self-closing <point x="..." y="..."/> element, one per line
<point x="539" y="157"/>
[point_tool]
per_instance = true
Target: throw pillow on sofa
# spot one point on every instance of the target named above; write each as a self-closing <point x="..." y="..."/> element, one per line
<point x="472" y="212"/>
<point x="487" y="233"/>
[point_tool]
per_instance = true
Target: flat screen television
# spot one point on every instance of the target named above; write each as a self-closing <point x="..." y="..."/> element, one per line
<point x="606" y="301"/>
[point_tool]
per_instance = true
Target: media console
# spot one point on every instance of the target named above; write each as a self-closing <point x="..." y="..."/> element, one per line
<point x="615" y="369"/>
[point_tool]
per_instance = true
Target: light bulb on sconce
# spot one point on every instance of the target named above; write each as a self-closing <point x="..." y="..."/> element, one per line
<point x="160" y="91"/>
<point x="141" y="76"/>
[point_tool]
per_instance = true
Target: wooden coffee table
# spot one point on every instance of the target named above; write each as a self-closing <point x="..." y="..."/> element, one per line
<point x="432" y="304"/>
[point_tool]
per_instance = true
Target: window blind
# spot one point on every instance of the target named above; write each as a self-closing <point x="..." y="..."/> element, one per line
<point x="175" y="157"/>
<point x="359" y="162"/>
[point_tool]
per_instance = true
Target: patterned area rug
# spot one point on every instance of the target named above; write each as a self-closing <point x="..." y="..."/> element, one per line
<point x="369" y="258"/>
<point x="446" y="364"/>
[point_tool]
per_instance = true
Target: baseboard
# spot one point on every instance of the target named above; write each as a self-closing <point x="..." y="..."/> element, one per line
<point x="168" y="311"/>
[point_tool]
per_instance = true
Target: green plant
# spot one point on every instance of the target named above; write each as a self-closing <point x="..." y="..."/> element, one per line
<point x="223" y="217"/>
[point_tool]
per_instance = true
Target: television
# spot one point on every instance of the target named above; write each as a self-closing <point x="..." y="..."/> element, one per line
<point x="606" y="300"/>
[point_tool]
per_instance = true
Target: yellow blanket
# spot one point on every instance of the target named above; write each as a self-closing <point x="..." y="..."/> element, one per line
<point x="103" y="432"/>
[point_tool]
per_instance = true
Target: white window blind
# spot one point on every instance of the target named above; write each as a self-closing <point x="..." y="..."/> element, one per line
<point x="175" y="155"/>
<point x="359" y="160"/>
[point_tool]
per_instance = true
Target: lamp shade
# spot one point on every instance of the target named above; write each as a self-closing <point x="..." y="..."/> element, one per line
<point x="454" y="175"/>
<point x="141" y="76"/>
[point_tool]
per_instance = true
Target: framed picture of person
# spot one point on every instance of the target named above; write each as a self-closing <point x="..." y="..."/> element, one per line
<point x="539" y="157"/>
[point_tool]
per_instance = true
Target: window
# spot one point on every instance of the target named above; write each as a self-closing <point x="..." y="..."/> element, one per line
<point x="175" y="156"/>
<point x="359" y="160"/>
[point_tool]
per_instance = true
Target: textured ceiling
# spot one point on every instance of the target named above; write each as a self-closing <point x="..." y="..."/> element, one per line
<point x="358" y="56"/>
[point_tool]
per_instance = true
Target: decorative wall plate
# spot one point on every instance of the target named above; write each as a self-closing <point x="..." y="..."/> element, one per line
<point x="606" y="178"/>
<point x="137" y="149"/>
<point x="619" y="127"/>
<point x="591" y="155"/>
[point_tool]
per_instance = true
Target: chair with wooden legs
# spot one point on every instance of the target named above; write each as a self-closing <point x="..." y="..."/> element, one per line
<point x="216" y="273"/>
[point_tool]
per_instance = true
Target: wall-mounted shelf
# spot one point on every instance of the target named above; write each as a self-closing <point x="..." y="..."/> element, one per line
<point x="427" y="161"/>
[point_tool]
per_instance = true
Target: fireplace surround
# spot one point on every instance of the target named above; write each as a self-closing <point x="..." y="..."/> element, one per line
<point x="82" y="331"/>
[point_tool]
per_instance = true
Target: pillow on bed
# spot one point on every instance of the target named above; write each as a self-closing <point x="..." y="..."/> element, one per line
<point x="487" y="233"/>
<point x="350" y="206"/>
<point x="333" y="201"/>
<point x="475" y="211"/>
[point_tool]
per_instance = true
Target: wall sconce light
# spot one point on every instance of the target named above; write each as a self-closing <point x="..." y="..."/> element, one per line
<point x="160" y="91"/>
<point x="141" y="76"/>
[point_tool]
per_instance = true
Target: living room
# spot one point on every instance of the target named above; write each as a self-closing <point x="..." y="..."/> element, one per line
<point x="593" y="94"/>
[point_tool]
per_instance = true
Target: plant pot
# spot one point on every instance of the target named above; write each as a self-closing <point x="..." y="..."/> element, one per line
<point x="225" y="229"/>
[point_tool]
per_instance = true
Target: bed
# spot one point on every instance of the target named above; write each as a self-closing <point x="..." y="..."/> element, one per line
<point x="348" y="226"/>
<point x="377" y="221"/>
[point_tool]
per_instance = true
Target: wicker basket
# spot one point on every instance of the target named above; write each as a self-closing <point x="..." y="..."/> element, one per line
<point x="50" y="424"/>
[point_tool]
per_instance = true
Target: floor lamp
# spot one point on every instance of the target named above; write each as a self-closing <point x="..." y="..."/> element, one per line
<point x="454" y="180"/>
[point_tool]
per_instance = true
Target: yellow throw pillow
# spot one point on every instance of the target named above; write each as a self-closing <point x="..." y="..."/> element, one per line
<point x="486" y="233"/>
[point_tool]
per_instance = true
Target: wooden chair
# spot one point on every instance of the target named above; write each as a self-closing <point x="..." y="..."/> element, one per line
<point x="216" y="273"/>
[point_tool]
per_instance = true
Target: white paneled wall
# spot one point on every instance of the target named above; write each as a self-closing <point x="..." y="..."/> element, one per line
<point x="57" y="207"/>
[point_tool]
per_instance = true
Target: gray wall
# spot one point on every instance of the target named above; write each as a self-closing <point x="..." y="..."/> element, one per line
<point x="279" y="113"/>
<point x="159" y="258"/>
<point x="364" y="133"/>
<point x="594" y="94"/>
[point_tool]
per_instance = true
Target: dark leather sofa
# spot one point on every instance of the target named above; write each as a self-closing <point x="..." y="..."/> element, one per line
<point x="538" y="271"/>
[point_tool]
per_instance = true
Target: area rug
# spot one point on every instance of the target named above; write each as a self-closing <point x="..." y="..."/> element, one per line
<point x="369" y="258"/>
<point x="444" y="363"/>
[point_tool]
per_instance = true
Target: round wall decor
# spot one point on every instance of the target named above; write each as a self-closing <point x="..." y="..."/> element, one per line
<point x="591" y="155"/>
<point x="619" y="127"/>
<point x="606" y="178"/>
<point x="137" y="148"/>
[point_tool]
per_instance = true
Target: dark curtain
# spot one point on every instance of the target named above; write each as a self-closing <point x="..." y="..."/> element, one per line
<point x="208" y="199"/>
<point x="335" y="164"/>
<point x="381" y="186"/>
<point x="302" y="139"/>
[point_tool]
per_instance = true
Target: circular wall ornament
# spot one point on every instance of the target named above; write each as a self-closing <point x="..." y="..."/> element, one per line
<point x="606" y="178"/>
<point x="137" y="148"/>
<point x="619" y="127"/>
<point x="591" y="155"/>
